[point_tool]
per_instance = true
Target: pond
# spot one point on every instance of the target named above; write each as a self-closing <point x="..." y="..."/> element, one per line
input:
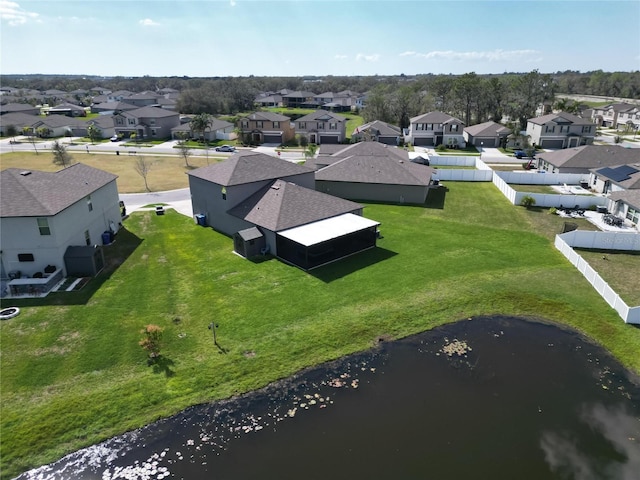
<point x="497" y="398"/>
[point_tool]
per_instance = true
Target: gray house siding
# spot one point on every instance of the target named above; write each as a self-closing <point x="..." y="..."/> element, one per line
<point x="374" y="192"/>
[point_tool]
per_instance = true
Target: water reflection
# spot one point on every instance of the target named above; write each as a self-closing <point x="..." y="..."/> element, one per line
<point x="496" y="398"/>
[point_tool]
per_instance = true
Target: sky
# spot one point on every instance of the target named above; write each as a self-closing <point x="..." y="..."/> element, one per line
<point x="205" y="38"/>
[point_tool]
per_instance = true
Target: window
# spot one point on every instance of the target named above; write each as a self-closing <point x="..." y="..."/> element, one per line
<point x="153" y="132"/>
<point x="152" y="121"/>
<point x="43" y="226"/>
<point x="633" y="215"/>
<point x="595" y="179"/>
<point x="454" y="127"/>
<point x="87" y="237"/>
<point x="89" y="203"/>
<point x="303" y="125"/>
<point x="550" y="128"/>
<point x="420" y="126"/>
<point x="320" y="125"/>
<point x="119" y="121"/>
<point x="276" y="124"/>
<point x="132" y="121"/>
<point x="259" y="124"/>
<point x="224" y="193"/>
<point x="586" y="129"/>
<point x="333" y="126"/>
<point x="245" y="124"/>
<point x="429" y="126"/>
<point x="25" y="257"/>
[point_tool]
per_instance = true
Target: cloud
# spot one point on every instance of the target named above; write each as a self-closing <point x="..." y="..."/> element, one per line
<point x="407" y="54"/>
<point x="14" y="15"/>
<point x="147" y="22"/>
<point x="367" y="58"/>
<point x="232" y="3"/>
<point x="491" y="55"/>
<point x="340" y="57"/>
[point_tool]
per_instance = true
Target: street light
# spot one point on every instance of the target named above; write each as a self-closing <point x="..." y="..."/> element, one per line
<point x="212" y="327"/>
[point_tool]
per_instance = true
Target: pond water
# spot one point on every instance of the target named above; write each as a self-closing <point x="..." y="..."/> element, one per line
<point x="498" y="398"/>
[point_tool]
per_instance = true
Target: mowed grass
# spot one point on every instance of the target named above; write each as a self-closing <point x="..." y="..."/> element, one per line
<point x="73" y="373"/>
<point x="167" y="172"/>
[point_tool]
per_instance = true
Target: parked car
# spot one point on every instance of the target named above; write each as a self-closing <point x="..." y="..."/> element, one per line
<point x="115" y="138"/>
<point x="519" y="154"/>
<point x="226" y="148"/>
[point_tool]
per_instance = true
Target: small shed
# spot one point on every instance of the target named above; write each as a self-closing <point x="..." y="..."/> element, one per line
<point x="84" y="261"/>
<point x="249" y="242"/>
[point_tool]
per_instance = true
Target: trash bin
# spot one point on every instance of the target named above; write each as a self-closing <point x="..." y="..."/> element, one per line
<point x="159" y="210"/>
<point x="106" y="238"/>
<point x="201" y="219"/>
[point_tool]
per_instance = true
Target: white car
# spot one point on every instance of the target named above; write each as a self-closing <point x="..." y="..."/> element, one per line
<point x="115" y="138"/>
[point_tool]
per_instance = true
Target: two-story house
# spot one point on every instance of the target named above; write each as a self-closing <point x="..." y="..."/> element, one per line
<point x="266" y="127"/>
<point x="617" y="115"/>
<point x="436" y="128"/>
<point x="560" y="130"/>
<point x="321" y="127"/>
<point x="42" y="214"/>
<point x="297" y="99"/>
<point x="146" y="122"/>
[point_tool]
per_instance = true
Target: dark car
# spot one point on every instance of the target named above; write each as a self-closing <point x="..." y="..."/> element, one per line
<point x="519" y="154"/>
<point x="226" y="148"/>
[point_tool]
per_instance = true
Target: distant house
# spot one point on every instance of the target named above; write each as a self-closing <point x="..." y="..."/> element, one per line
<point x="19" y="108"/>
<point x="617" y="115"/>
<point x="104" y="124"/>
<point x="615" y="179"/>
<point x="560" y="130"/>
<point x="109" y="108"/>
<point x="146" y="122"/>
<point x="378" y="131"/>
<point x="67" y="109"/>
<point x="53" y="126"/>
<point x="18" y="121"/>
<point x="298" y="99"/>
<point x="321" y="127"/>
<point x="372" y="171"/>
<point x="118" y="95"/>
<point x="266" y="127"/>
<point x="143" y="99"/>
<point x="270" y="100"/>
<point x="263" y="201"/>
<point x="583" y="159"/>
<point x="436" y="128"/>
<point x="42" y="214"/>
<point x="344" y="101"/>
<point x="218" y="130"/>
<point x="488" y="134"/>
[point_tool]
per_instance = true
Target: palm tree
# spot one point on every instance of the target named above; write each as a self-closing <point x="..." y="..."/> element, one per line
<point x="200" y="123"/>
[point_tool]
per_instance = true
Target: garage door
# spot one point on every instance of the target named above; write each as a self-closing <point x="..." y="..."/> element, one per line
<point x="552" y="143"/>
<point x="423" y="141"/>
<point x="273" y="139"/>
<point x="328" y="139"/>
<point x="484" y="142"/>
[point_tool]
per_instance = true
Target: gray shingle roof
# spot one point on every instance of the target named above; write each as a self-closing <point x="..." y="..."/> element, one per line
<point x="282" y="205"/>
<point x="323" y="115"/>
<point x="381" y="128"/>
<point x="150" y="112"/>
<point x="18" y="119"/>
<point x="630" y="197"/>
<point x="42" y="194"/>
<point x="434" y="117"/>
<point x="561" y="117"/>
<point x="591" y="156"/>
<point x="487" y="129"/>
<point x="248" y="167"/>
<point x="627" y="176"/>
<point x="16" y="108"/>
<point x="268" y="116"/>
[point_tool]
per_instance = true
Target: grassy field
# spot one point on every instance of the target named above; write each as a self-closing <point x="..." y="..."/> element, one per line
<point x="167" y="172"/>
<point x="74" y="374"/>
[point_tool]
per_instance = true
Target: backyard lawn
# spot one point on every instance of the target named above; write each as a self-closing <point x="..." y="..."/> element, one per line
<point x="73" y="373"/>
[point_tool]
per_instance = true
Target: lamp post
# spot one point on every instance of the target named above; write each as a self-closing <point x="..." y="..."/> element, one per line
<point x="212" y="327"/>
<point x="481" y="149"/>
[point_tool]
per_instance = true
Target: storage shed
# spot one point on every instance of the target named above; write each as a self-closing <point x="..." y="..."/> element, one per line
<point x="83" y="261"/>
<point x="249" y="242"/>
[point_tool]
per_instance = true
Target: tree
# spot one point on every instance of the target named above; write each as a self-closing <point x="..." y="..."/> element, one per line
<point x="310" y="151"/>
<point x="142" y="166"/>
<point x="528" y="201"/>
<point x="466" y="89"/>
<point x="151" y="341"/>
<point x="183" y="147"/>
<point x="28" y="132"/>
<point x="200" y="123"/>
<point x="60" y="154"/>
<point x="94" y="133"/>
<point x="44" y="132"/>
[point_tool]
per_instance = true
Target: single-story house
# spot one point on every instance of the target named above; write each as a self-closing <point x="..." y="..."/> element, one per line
<point x="374" y="171"/>
<point x="378" y="131"/>
<point x="617" y="178"/>
<point x="218" y="130"/>
<point x="583" y="159"/>
<point x="488" y="134"/>
<point x="626" y="204"/>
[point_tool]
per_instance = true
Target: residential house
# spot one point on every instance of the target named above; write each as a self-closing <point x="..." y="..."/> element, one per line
<point x="378" y="131"/>
<point x="373" y="171"/>
<point x="146" y="122"/>
<point x="104" y="124"/>
<point x="560" y="130"/>
<point x="436" y="128"/>
<point x="626" y="204"/>
<point x="43" y="214"/>
<point x="143" y="99"/>
<point x="118" y="95"/>
<point x="583" y="159"/>
<point x="615" y="179"/>
<point x="321" y="127"/>
<point x="298" y="99"/>
<point x="19" y="108"/>
<point x="488" y="134"/>
<point x="109" y="108"/>
<point x="344" y="101"/>
<point x="18" y="121"/>
<point x="67" y="109"/>
<point x="266" y="127"/>
<point x="53" y="126"/>
<point x="218" y="130"/>
<point x="617" y="115"/>
<point x="263" y="201"/>
<point x="266" y="100"/>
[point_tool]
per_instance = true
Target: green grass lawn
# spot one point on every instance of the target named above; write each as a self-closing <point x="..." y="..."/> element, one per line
<point x="73" y="373"/>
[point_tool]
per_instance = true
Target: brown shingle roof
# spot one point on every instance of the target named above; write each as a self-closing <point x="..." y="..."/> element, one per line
<point x="248" y="167"/>
<point x="42" y="194"/>
<point x="282" y="205"/>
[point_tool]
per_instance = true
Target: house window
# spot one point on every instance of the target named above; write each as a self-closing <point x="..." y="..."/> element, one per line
<point x="132" y="121"/>
<point x="633" y="215"/>
<point x="87" y="237"/>
<point x="550" y="128"/>
<point x="454" y="128"/>
<point x="276" y="124"/>
<point x="152" y="121"/>
<point x="320" y="125"/>
<point x="43" y="226"/>
<point x="419" y="126"/>
<point x="245" y="124"/>
<point x="89" y="203"/>
<point x="303" y="125"/>
<point x="26" y="257"/>
<point x="153" y="132"/>
<point x="333" y="126"/>
<point x="119" y="121"/>
<point x="259" y="124"/>
<point x="586" y="129"/>
<point x="595" y="179"/>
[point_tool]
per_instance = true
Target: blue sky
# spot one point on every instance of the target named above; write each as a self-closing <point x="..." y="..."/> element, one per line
<point x="321" y="37"/>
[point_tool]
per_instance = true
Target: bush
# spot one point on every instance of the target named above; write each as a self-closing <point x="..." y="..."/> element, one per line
<point x="528" y="201"/>
<point x="553" y="210"/>
<point x="441" y="148"/>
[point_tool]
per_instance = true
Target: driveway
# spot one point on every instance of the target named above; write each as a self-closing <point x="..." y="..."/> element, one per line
<point x="180" y="200"/>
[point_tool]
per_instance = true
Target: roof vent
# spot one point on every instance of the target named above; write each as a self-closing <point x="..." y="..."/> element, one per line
<point x="24" y="173"/>
<point x="275" y="187"/>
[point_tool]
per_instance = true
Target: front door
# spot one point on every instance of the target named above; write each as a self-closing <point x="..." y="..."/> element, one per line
<point x="573" y="142"/>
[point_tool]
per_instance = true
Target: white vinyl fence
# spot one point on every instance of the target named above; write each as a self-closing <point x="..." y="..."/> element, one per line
<point x="483" y="172"/>
<point x="502" y="179"/>
<point x="600" y="240"/>
<point x="537" y="178"/>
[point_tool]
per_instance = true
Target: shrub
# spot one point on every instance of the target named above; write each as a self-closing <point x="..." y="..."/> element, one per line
<point x="151" y="341"/>
<point x="441" y="148"/>
<point x="553" y="210"/>
<point x="528" y="201"/>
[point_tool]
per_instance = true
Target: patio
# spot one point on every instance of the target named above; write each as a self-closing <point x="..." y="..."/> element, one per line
<point x="598" y="219"/>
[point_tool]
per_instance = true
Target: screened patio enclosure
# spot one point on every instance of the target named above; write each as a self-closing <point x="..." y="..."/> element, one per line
<point x="310" y="246"/>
